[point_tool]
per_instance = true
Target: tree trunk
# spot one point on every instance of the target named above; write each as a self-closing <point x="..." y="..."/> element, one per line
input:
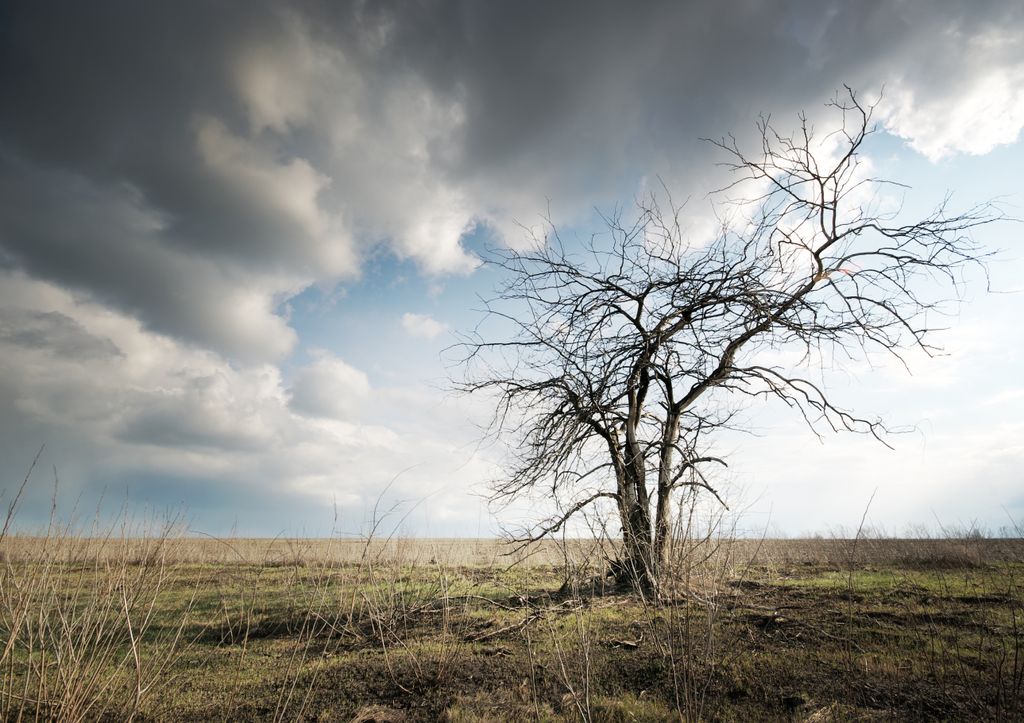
<point x="636" y="570"/>
<point x="662" y="530"/>
<point x="662" y="522"/>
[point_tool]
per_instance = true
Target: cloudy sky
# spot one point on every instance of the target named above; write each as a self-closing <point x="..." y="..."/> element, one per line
<point x="236" y="236"/>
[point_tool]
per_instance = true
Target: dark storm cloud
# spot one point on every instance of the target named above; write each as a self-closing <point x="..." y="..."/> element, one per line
<point x="105" y="93"/>
<point x="195" y="164"/>
<point x="99" y="176"/>
<point x="594" y="94"/>
<point x="106" y="240"/>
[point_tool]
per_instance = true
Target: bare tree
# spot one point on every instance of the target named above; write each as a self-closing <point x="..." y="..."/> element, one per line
<point x="620" y="358"/>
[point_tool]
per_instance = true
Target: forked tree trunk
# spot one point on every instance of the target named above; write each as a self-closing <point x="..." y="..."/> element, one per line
<point x="633" y="570"/>
<point x="646" y="545"/>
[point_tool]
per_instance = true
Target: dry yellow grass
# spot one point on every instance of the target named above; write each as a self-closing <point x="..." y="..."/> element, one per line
<point x="490" y="552"/>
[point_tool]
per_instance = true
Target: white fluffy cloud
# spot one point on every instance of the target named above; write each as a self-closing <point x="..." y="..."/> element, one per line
<point x="329" y="388"/>
<point x="422" y="326"/>
<point x="157" y="416"/>
<point x="384" y="140"/>
<point x="976" y="107"/>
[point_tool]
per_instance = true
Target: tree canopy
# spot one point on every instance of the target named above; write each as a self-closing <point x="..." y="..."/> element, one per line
<point x="627" y="352"/>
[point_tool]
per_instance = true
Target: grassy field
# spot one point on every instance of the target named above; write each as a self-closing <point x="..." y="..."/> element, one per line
<point x="168" y="628"/>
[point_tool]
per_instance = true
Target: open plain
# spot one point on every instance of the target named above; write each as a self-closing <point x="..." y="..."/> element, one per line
<point x="174" y="628"/>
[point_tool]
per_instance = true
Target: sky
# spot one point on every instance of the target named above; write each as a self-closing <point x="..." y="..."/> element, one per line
<point x="236" y="237"/>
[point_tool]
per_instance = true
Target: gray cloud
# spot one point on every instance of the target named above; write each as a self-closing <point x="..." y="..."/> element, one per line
<point x="53" y="332"/>
<point x="183" y="422"/>
<point x="172" y="174"/>
<point x="197" y="164"/>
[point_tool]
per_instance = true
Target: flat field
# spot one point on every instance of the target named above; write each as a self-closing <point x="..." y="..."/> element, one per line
<point x="336" y="630"/>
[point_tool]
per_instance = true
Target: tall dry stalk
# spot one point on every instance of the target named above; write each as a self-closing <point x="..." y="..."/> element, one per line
<point x="78" y="617"/>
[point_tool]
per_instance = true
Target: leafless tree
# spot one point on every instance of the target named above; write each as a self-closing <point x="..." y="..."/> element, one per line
<point x="617" y="360"/>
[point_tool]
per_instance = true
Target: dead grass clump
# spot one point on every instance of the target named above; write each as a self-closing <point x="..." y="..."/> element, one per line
<point x="87" y="637"/>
